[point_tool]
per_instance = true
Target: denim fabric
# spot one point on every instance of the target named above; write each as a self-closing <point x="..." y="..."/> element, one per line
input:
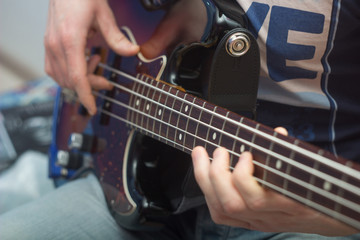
<point x="78" y="210"/>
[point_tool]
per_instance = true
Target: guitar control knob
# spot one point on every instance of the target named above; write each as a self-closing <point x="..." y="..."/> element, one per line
<point x="86" y="143"/>
<point x="70" y="160"/>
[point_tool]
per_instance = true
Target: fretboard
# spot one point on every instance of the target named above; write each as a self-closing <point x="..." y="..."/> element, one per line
<point x="303" y="172"/>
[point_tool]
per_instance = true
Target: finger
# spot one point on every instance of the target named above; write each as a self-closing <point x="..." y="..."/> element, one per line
<point x="92" y="63"/>
<point x="281" y="130"/>
<point x="246" y="184"/>
<point x="55" y="65"/>
<point x="53" y="69"/>
<point x="81" y="85"/>
<point x="255" y="196"/>
<point x="166" y="32"/>
<point x="113" y="36"/>
<point x="77" y="70"/>
<point x="221" y="180"/>
<point x="97" y="82"/>
<point x="201" y="170"/>
<point x="201" y="164"/>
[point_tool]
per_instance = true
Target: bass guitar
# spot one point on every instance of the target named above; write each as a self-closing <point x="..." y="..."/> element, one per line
<point x="139" y="141"/>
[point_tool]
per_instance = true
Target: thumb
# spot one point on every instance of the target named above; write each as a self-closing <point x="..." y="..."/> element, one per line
<point x="113" y="36"/>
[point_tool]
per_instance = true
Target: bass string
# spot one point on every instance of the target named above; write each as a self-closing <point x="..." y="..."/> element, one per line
<point x="326" y="161"/>
<point x="324" y="193"/>
<point x="293" y="163"/>
<point x="305" y="201"/>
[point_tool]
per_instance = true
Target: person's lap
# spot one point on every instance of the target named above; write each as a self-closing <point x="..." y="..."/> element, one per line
<point x="78" y="210"/>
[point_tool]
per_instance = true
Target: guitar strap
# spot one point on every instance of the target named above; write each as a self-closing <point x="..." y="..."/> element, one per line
<point x="233" y="84"/>
<point x="233" y="81"/>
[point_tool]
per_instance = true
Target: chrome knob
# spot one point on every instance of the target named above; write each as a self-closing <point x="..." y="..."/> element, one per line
<point x="237" y="44"/>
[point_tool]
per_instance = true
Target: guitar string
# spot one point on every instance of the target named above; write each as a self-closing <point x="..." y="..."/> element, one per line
<point x="319" y="158"/>
<point x="212" y="143"/>
<point x="287" y="176"/>
<point x="330" y="179"/>
<point x="306" y="201"/>
<point x="310" y="170"/>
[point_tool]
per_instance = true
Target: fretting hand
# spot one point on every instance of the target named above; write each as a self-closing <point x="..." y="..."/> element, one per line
<point x="236" y="199"/>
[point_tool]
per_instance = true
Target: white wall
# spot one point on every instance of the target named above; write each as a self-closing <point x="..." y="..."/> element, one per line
<point x="22" y="27"/>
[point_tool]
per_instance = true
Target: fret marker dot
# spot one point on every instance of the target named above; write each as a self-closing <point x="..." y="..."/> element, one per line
<point x="137" y="102"/>
<point x="159" y="112"/>
<point x="327" y="186"/>
<point x="180" y="136"/>
<point x="186" y="108"/>
<point x="214" y="136"/>
<point x="242" y="148"/>
<point x="278" y="164"/>
<point x="147" y="107"/>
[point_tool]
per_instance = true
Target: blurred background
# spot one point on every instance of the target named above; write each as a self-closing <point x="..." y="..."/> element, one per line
<point x="26" y="103"/>
<point x="26" y="93"/>
<point x="22" y="27"/>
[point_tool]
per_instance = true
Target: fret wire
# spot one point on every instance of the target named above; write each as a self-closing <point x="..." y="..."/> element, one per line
<point x="267" y="161"/>
<point x="310" y="187"/>
<point x="130" y="115"/>
<point x="138" y="102"/>
<point x="150" y="104"/>
<point x="222" y="129"/>
<point x="157" y="105"/>
<point x="210" y="124"/>
<point x="171" y="112"/>
<point x="288" y="167"/>
<point x="188" y="118"/>
<point x="198" y="122"/>
<point x="314" y="205"/>
<point x="264" y="150"/>
<point x="276" y="155"/>
<point x="352" y="188"/>
<point x="340" y="193"/>
<point x="178" y="115"/>
<point x="134" y="116"/>
<point x="178" y="119"/>
<point x="306" y="152"/>
<point x="285" y="192"/>
<point x="144" y="102"/>
<point x="186" y="124"/>
<point x="312" y="180"/>
<point x="254" y="137"/>
<point x="162" y="115"/>
<point x="234" y="144"/>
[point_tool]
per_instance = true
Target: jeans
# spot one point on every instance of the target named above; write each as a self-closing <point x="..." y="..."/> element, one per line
<point x="78" y="210"/>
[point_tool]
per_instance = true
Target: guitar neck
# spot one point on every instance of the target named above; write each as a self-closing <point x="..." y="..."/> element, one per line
<point x="303" y="172"/>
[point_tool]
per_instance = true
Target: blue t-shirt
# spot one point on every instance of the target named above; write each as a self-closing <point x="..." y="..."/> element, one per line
<point x="310" y="69"/>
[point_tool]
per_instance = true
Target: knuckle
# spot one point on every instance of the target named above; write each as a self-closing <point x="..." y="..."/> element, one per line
<point x="213" y="172"/>
<point x="199" y="175"/>
<point x="74" y="80"/>
<point x="49" y="71"/>
<point x="232" y="207"/>
<point x="118" y="38"/>
<point x="48" y="68"/>
<point x="50" y="42"/>
<point x="217" y="218"/>
<point x="67" y="37"/>
<point x="257" y="204"/>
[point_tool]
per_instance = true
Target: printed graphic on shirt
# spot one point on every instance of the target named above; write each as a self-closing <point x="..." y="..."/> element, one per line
<point x="293" y="37"/>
